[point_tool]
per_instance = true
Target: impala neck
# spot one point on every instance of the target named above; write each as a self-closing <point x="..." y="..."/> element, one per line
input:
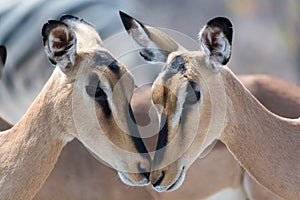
<point x="29" y="150"/>
<point x="266" y="145"/>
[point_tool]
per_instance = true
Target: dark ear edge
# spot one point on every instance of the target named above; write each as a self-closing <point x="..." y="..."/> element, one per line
<point x="154" y="45"/>
<point x="60" y="52"/>
<point x="130" y="23"/>
<point x="127" y="21"/>
<point x="216" y="39"/>
<point x="224" y="25"/>
<point x="50" y="25"/>
<point x="3" y="54"/>
<point x="66" y="17"/>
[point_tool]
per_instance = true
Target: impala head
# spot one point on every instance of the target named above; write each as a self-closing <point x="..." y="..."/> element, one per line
<point x="183" y="94"/>
<point x="93" y="95"/>
<point x="2" y="58"/>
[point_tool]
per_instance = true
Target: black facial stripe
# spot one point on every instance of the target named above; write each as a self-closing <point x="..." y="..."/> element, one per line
<point x="181" y="174"/>
<point x="192" y="84"/>
<point x="99" y="96"/>
<point x="138" y="142"/>
<point x="177" y="65"/>
<point x="101" y="99"/>
<point x="161" y="143"/>
<point x="103" y="103"/>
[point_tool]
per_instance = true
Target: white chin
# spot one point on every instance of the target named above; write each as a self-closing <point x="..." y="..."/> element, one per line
<point x="172" y="187"/>
<point x="126" y="180"/>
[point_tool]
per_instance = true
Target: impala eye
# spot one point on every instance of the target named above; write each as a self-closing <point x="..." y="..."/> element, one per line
<point x="193" y="95"/>
<point x="96" y="92"/>
<point x="198" y="94"/>
<point x="100" y="97"/>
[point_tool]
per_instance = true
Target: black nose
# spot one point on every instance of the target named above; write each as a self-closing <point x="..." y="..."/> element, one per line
<point x="159" y="179"/>
<point x="144" y="171"/>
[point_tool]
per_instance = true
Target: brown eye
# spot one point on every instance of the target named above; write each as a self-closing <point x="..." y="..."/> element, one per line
<point x="193" y="95"/>
<point x="198" y="94"/>
<point x="100" y="97"/>
<point x="96" y="92"/>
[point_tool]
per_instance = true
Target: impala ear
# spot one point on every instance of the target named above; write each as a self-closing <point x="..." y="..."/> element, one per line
<point x="2" y="58"/>
<point x="155" y="46"/>
<point x="60" y="44"/>
<point x="215" y="39"/>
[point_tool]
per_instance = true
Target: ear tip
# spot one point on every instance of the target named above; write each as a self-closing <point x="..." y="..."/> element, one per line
<point x="220" y="22"/>
<point x="128" y="21"/>
<point x="124" y="15"/>
<point x="3" y="53"/>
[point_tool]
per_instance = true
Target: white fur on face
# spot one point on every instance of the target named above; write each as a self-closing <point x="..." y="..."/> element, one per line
<point x="144" y="42"/>
<point x="179" y="104"/>
<point x="126" y="180"/>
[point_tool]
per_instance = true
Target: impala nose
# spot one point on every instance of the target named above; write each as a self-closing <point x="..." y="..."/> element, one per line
<point x="144" y="171"/>
<point x="156" y="178"/>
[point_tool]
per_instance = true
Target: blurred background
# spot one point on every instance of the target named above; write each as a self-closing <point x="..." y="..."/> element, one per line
<point x="266" y="36"/>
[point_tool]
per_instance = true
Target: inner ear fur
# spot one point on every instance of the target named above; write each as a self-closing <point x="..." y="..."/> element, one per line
<point x="216" y="40"/>
<point x="155" y="45"/>
<point x="60" y="44"/>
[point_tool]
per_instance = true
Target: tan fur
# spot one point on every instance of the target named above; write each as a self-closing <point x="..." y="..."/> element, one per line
<point x="266" y="145"/>
<point x="277" y="95"/>
<point x="196" y="177"/>
<point x="29" y="150"/>
<point x="255" y="190"/>
<point x="262" y="142"/>
<point x="77" y="174"/>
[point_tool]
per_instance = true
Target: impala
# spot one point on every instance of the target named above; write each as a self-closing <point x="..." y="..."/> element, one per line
<point x="203" y="101"/>
<point x="86" y="97"/>
<point x="77" y="174"/>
